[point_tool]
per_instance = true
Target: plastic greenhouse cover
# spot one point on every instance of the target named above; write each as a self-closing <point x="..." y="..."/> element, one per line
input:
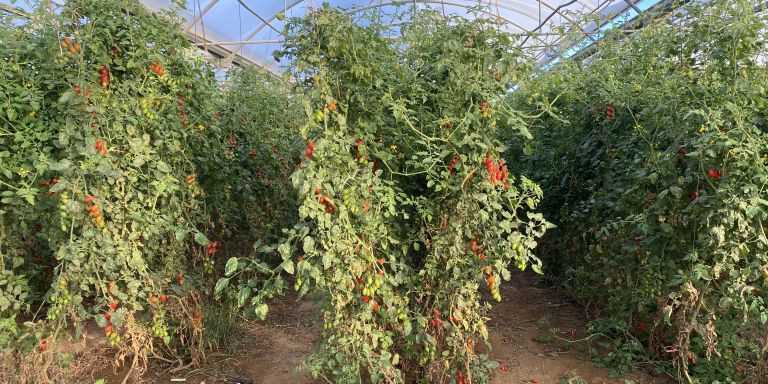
<point x="249" y="31"/>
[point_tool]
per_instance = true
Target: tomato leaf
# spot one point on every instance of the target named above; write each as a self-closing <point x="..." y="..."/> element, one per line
<point x="221" y="284"/>
<point x="231" y="266"/>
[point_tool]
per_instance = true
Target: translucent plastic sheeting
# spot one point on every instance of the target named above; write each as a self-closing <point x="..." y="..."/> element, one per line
<point x="248" y="31"/>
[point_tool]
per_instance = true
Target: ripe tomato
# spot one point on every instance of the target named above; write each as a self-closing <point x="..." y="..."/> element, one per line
<point x="310" y="148"/>
<point x="693" y="196"/>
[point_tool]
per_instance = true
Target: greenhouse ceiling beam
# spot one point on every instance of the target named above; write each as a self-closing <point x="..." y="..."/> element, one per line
<point x="249" y="9"/>
<point x="200" y="16"/>
<point x="225" y="56"/>
<point x="588" y="5"/>
<point x="502" y="18"/>
<point x="558" y="10"/>
<point x="269" y="19"/>
<point x="544" y="22"/>
<point x="500" y="4"/>
<point x="663" y="7"/>
<point x="386" y="3"/>
<point x="249" y="42"/>
<point x="633" y="4"/>
<point x="14" y="10"/>
<point x="630" y="4"/>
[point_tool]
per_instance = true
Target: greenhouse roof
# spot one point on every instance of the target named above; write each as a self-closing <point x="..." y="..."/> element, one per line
<point x="248" y="31"/>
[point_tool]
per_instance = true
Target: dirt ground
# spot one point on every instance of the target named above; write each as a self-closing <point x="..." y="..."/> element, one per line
<point x="520" y="331"/>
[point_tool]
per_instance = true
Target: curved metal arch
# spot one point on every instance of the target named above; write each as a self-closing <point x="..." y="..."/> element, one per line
<point x="253" y="33"/>
<point x="518" y="9"/>
<point x="588" y="5"/>
<point x="500" y="4"/>
<point x="386" y="3"/>
<point x="294" y="3"/>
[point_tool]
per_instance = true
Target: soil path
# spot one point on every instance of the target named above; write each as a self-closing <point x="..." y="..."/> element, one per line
<point x="527" y="333"/>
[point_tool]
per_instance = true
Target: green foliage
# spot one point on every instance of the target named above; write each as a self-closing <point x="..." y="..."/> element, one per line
<point x="259" y="118"/>
<point x="654" y="167"/>
<point x="121" y="160"/>
<point x="406" y="212"/>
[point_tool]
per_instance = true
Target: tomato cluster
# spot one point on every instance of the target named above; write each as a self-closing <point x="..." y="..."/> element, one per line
<point x="101" y="148"/>
<point x="610" y="111"/>
<point x="325" y="201"/>
<point x="109" y="331"/>
<point x="497" y="171"/>
<point x="71" y="45"/>
<point x="452" y="164"/>
<point x="310" y="149"/>
<point x="94" y="210"/>
<point x="157" y="69"/>
<point x="485" y="109"/>
<point x="104" y="72"/>
<point x="475" y="248"/>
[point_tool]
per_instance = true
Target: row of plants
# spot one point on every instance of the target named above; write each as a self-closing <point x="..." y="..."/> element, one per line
<point x="408" y="218"/>
<point x="128" y="175"/>
<point x="654" y="166"/>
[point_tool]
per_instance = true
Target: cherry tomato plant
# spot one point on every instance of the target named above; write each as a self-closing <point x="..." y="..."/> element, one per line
<point x="120" y="155"/>
<point x="654" y="165"/>
<point x="408" y="217"/>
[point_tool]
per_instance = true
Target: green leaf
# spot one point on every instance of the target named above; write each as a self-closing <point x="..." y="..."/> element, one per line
<point x="285" y="251"/>
<point x="261" y="311"/>
<point x="63" y="165"/>
<point x="242" y="295"/>
<point x="287" y="266"/>
<point x="66" y="97"/>
<point x="201" y="239"/>
<point x="231" y="266"/>
<point x="181" y="234"/>
<point x="527" y="150"/>
<point x="309" y="245"/>
<point x="667" y="311"/>
<point x="221" y="285"/>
